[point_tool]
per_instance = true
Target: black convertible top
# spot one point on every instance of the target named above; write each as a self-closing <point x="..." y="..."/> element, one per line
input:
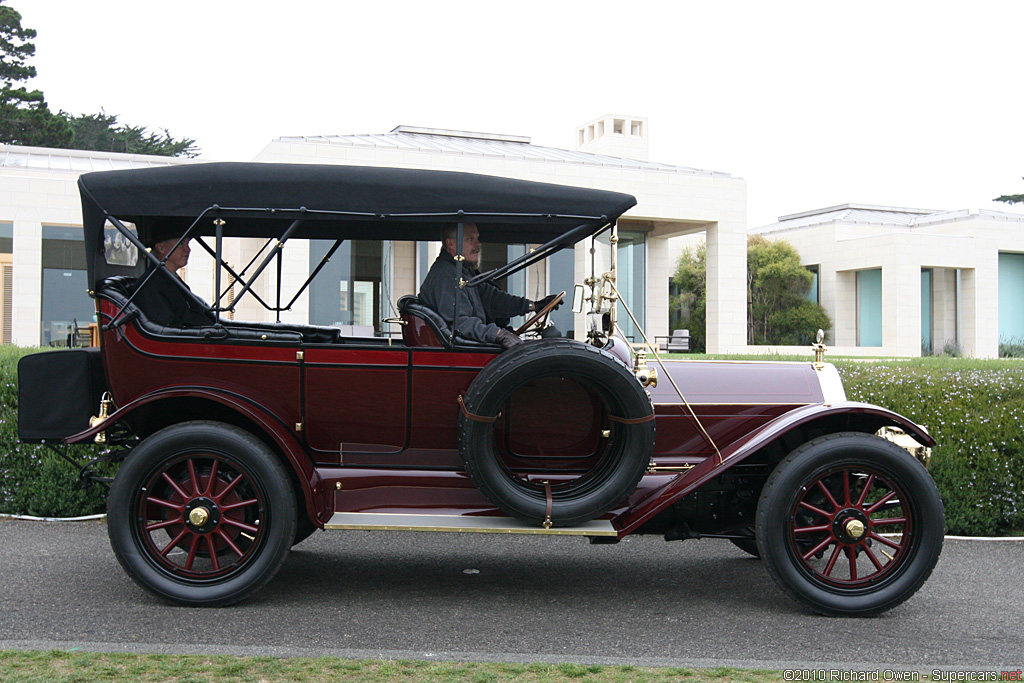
<point x="337" y="202"/>
<point x="373" y="203"/>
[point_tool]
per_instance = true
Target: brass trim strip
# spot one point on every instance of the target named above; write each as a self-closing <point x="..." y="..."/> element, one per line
<point x="459" y="524"/>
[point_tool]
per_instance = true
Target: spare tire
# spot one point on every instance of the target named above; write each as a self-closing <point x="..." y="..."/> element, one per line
<point x="616" y="408"/>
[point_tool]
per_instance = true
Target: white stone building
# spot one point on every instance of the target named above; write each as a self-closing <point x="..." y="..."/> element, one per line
<point x="43" y="266"/>
<point x="902" y="282"/>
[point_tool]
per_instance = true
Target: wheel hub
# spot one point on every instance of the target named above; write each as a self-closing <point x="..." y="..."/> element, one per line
<point x="202" y="515"/>
<point x="198" y="516"/>
<point x="850" y="526"/>
<point x="854" y="528"/>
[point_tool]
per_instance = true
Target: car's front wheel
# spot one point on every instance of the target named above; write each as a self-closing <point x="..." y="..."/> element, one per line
<point x="201" y="514"/>
<point x="850" y="524"/>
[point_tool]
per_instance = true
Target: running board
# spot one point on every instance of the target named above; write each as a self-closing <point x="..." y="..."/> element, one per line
<point x="461" y="523"/>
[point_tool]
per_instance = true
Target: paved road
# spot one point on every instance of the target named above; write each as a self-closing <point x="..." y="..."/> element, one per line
<point x="514" y="598"/>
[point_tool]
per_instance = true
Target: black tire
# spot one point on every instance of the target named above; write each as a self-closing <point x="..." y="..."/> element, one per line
<point x="619" y="463"/>
<point x="747" y="545"/>
<point x="201" y="514"/>
<point x="850" y="524"/>
<point x="304" y="528"/>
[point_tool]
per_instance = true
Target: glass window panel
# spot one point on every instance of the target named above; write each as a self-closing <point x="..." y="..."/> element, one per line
<point x="631" y="280"/>
<point x="813" y="294"/>
<point x="869" y="307"/>
<point x="926" y="310"/>
<point x="117" y="250"/>
<point x="1011" y="298"/>
<point x="6" y="238"/>
<point x="562" y="277"/>
<point x="349" y="290"/>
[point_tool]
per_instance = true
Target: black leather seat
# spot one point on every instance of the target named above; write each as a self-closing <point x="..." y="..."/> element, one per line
<point x="119" y="288"/>
<point x="418" y="315"/>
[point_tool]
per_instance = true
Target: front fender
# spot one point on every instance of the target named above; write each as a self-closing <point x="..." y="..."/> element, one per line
<point x="279" y="433"/>
<point x="836" y="417"/>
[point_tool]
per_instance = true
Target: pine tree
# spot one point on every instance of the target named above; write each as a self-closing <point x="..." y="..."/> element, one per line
<point x="25" y="118"/>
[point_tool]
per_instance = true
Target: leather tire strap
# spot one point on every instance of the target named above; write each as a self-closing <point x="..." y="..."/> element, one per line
<point x="631" y="420"/>
<point x="476" y="418"/>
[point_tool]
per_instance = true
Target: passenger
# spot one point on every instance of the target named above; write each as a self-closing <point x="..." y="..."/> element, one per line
<point x="160" y="299"/>
<point x="483" y="310"/>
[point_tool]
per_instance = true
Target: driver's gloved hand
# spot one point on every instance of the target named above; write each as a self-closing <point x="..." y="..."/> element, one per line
<point x="508" y="339"/>
<point x="539" y="305"/>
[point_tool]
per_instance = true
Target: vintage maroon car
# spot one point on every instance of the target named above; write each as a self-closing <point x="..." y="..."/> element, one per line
<point x="239" y="439"/>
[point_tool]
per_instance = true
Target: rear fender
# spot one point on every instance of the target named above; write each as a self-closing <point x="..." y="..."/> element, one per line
<point x="823" y="418"/>
<point x="272" y="430"/>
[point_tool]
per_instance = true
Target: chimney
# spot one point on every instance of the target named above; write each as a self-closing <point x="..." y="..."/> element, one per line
<point x="614" y="135"/>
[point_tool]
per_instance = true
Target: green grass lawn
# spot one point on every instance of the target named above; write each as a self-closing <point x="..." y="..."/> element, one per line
<point x="90" y="667"/>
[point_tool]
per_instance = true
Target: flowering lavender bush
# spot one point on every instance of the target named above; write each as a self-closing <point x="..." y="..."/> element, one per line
<point x="975" y="410"/>
<point x="33" y="480"/>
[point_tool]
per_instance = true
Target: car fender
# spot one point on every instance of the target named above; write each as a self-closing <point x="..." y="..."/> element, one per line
<point x="272" y="428"/>
<point x="854" y="416"/>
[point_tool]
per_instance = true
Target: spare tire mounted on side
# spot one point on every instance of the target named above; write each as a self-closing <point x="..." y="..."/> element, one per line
<point x="622" y="457"/>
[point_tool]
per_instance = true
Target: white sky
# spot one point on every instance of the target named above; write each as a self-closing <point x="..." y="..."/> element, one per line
<point x="819" y="103"/>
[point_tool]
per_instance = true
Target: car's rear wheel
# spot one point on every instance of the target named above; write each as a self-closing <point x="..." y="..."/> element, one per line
<point x="201" y="514"/>
<point x="850" y="524"/>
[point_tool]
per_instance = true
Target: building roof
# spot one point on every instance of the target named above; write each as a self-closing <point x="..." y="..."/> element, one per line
<point x="898" y="218"/>
<point x="77" y="161"/>
<point x="411" y="138"/>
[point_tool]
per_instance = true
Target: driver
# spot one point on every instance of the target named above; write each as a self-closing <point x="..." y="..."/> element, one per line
<point x="481" y="308"/>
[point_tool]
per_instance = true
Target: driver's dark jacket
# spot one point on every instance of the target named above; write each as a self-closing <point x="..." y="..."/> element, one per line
<point x="479" y="306"/>
<point x="163" y="302"/>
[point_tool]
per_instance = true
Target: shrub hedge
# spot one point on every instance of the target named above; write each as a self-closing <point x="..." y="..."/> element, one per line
<point x="974" y="409"/>
<point x="33" y="479"/>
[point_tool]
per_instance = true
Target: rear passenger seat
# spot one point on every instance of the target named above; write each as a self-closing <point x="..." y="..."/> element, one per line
<point x="117" y="289"/>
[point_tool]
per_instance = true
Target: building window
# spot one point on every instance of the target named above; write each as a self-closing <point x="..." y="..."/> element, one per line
<point x="350" y="288"/>
<point x="869" y="307"/>
<point x="1011" y="298"/>
<point x="631" y="280"/>
<point x="562" y="278"/>
<point x="6" y="238"/>
<point x="926" y="311"/>
<point x="66" y="302"/>
<point x="814" y="293"/>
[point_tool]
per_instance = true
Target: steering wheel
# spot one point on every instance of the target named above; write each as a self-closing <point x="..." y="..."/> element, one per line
<point x="540" y="318"/>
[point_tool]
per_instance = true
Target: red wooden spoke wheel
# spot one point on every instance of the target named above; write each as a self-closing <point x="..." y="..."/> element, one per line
<point x="201" y="516"/>
<point x="851" y="527"/>
<point x="850" y="524"/>
<point x="201" y="513"/>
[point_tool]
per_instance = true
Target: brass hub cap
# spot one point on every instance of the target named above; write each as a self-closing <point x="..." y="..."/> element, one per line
<point x="202" y="515"/>
<point x="854" y="528"/>
<point x="199" y="516"/>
